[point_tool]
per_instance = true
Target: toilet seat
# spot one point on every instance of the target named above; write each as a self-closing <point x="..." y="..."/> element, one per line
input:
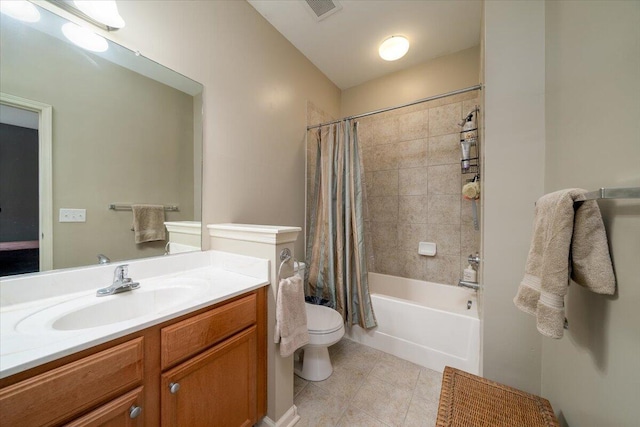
<point x="322" y="320"/>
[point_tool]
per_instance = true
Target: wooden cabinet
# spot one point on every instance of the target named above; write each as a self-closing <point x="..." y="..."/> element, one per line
<point x="215" y="388"/>
<point x="216" y="355"/>
<point x="52" y="397"/>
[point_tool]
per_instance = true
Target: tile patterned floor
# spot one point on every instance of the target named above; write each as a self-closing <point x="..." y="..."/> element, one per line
<point x="368" y="388"/>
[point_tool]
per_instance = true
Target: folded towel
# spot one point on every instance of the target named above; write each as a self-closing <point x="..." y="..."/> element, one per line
<point x="148" y="223"/>
<point x="569" y="240"/>
<point x="291" y="316"/>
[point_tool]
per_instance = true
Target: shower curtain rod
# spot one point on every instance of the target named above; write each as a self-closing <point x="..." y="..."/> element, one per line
<point x="384" y="110"/>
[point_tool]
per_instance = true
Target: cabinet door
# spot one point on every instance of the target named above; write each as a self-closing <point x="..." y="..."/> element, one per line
<point x="216" y="388"/>
<point x="125" y="411"/>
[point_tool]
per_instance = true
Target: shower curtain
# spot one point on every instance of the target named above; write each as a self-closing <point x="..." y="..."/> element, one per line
<point x="335" y="247"/>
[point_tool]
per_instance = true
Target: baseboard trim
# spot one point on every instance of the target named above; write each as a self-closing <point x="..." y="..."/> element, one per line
<point x="289" y="419"/>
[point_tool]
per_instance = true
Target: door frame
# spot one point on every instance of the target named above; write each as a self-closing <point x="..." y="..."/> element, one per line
<point x="45" y="171"/>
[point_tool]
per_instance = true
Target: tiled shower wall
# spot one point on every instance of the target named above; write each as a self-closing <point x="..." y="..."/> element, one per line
<point x="411" y="160"/>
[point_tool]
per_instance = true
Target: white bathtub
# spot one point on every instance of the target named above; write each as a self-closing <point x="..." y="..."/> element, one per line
<point x="423" y="322"/>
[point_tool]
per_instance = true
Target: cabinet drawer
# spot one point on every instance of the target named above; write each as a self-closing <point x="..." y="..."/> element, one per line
<point x="118" y="412"/>
<point x="186" y="338"/>
<point x="58" y="395"/>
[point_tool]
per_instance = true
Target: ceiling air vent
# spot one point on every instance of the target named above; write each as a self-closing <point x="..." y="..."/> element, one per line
<point x="323" y="8"/>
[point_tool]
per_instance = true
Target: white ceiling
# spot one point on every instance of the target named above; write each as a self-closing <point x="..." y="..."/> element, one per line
<point x="344" y="45"/>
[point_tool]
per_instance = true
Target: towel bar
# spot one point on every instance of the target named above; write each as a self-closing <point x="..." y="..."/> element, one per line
<point x="127" y="207"/>
<point x="614" y="193"/>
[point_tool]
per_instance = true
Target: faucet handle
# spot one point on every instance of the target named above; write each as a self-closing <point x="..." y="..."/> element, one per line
<point x="474" y="259"/>
<point x="121" y="272"/>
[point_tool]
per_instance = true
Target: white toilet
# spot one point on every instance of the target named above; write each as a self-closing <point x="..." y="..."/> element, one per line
<point x="326" y="328"/>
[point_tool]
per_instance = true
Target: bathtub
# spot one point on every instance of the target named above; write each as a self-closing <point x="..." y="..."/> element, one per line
<point x="423" y="322"/>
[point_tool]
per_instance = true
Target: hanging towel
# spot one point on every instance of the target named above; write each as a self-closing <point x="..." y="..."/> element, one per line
<point x="291" y="316"/>
<point x="569" y="240"/>
<point x="148" y="223"/>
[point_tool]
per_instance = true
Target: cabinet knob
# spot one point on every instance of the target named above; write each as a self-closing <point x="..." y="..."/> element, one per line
<point x="134" y="411"/>
<point x="174" y="387"/>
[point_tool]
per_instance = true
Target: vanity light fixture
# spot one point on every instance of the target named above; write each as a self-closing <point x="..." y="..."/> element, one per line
<point x="20" y="9"/>
<point x="393" y="48"/>
<point x="103" y="14"/>
<point x="104" y="11"/>
<point x="84" y="37"/>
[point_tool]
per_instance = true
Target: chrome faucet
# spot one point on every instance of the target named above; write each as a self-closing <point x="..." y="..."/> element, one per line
<point x="470" y="285"/>
<point x="121" y="283"/>
<point x="103" y="259"/>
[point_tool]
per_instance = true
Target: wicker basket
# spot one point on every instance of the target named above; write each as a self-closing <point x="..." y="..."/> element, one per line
<point x="467" y="400"/>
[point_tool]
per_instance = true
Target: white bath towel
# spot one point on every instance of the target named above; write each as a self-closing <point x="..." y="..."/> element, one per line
<point x="148" y="223"/>
<point x="291" y="316"/>
<point x="569" y="240"/>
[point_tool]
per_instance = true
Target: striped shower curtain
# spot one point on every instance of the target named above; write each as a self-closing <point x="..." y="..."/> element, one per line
<point x="335" y="247"/>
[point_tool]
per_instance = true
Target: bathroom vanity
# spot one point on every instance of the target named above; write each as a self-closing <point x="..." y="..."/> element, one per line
<point x="201" y="361"/>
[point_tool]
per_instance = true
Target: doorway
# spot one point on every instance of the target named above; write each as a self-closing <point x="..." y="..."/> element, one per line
<point x="25" y="186"/>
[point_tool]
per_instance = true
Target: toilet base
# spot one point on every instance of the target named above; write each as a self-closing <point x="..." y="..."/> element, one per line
<point x="315" y="364"/>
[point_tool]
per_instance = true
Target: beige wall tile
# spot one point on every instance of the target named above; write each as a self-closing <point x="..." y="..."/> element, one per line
<point x="444" y="209"/>
<point x="386" y="262"/>
<point x="380" y="157"/>
<point x="412" y="181"/>
<point x="411" y="154"/>
<point x="444" y="120"/>
<point x="443" y="269"/>
<point x="446" y="237"/>
<point x="409" y="235"/>
<point x="413" y="125"/>
<point x="383" y="209"/>
<point x="413" y="265"/>
<point x="384" y="183"/>
<point x="444" y="179"/>
<point x="444" y="149"/>
<point x="469" y="239"/>
<point x="365" y="133"/>
<point x="386" y="130"/>
<point x="384" y="235"/>
<point x="413" y="209"/>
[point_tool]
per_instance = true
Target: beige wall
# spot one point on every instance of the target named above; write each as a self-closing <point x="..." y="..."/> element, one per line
<point x="96" y="162"/>
<point x="592" y="375"/>
<point x="513" y="180"/>
<point x="413" y="180"/>
<point x="440" y="75"/>
<point x="256" y="88"/>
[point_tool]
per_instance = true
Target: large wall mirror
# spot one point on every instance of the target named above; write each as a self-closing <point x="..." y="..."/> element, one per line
<point x="83" y="136"/>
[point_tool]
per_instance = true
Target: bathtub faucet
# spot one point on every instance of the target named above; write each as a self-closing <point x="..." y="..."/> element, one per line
<point x="469" y="285"/>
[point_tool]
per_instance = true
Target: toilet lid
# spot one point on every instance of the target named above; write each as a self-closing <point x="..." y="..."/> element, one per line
<point x="322" y="320"/>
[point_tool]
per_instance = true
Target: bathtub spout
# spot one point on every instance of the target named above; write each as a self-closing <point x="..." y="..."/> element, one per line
<point x="469" y="285"/>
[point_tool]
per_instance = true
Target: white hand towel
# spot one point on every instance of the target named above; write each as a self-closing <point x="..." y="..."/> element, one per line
<point x="291" y="316"/>
<point x="566" y="237"/>
<point x="148" y="223"/>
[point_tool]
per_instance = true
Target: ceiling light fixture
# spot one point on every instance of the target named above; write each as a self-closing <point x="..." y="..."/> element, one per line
<point x="20" y="9"/>
<point x="393" y="48"/>
<point x="84" y="37"/>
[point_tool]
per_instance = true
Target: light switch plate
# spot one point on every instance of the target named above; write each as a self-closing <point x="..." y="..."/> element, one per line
<point x="73" y="215"/>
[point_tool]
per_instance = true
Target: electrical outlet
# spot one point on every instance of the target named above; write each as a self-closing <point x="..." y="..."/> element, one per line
<point x="73" y="215"/>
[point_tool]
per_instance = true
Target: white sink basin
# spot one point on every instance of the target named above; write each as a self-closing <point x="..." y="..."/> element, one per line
<point x="92" y="312"/>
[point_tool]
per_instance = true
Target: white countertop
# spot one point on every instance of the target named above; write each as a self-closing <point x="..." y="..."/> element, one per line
<point x="27" y="340"/>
